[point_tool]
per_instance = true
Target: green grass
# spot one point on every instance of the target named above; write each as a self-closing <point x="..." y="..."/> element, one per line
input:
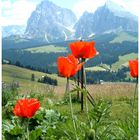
<point x="12" y="73"/>
<point x="101" y="67"/>
<point x="123" y="61"/>
<point x="118" y="93"/>
<point x="123" y="36"/>
<point x="96" y="68"/>
<point x="47" y="49"/>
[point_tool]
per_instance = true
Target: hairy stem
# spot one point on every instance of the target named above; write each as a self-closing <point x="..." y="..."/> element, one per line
<point x="133" y="105"/>
<point x="82" y="84"/>
<point x="85" y="83"/>
<point x="78" y="83"/>
<point x="71" y="108"/>
<point x="27" y="129"/>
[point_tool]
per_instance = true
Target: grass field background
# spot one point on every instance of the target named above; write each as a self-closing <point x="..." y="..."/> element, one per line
<point x="123" y="36"/>
<point x="47" y="49"/>
<point x="120" y="94"/>
<point x="123" y="61"/>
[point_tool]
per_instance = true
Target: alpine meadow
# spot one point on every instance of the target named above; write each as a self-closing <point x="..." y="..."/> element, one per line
<point x="69" y="70"/>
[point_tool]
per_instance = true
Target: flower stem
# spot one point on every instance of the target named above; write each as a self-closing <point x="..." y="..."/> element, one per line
<point x="85" y="82"/>
<point x="134" y="100"/>
<point x="72" y="116"/>
<point x="82" y="86"/>
<point x="78" y="83"/>
<point x="67" y="86"/>
<point x="27" y="127"/>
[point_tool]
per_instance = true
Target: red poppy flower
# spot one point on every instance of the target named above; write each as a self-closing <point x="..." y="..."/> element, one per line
<point x="133" y="64"/>
<point x="81" y="49"/>
<point x="68" y="66"/>
<point x="26" y="107"/>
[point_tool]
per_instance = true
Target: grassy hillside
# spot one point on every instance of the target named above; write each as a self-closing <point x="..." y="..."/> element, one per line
<point x="100" y="67"/>
<point x="124" y="36"/>
<point x="123" y="60"/>
<point x="47" y="49"/>
<point x="12" y="73"/>
<point x="119" y="93"/>
<point x="45" y="55"/>
<point x="96" y="68"/>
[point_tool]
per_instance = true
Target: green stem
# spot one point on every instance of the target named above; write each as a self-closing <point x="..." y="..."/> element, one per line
<point x="82" y="85"/>
<point x="134" y="101"/>
<point x="85" y="82"/>
<point x="72" y="116"/>
<point x="78" y="83"/>
<point x="67" y="86"/>
<point x="27" y="127"/>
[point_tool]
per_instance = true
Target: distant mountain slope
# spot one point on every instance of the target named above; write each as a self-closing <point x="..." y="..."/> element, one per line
<point x="113" y="37"/>
<point x="47" y="49"/>
<point x="12" y="30"/>
<point x="23" y="76"/>
<point x="46" y="55"/>
<point x="124" y="36"/>
<point x="123" y="61"/>
<point x="108" y="18"/>
<point x="50" y="22"/>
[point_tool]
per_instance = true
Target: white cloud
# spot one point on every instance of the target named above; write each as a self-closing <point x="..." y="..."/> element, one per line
<point x="92" y="5"/>
<point x="86" y="5"/>
<point x="16" y="13"/>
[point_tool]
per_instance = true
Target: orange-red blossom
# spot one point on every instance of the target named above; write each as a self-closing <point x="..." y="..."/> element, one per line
<point x="81" y="49"/>
<point x="133" y="64"/>
<point x="68" y="66"/>
<point x="26" y="107"/>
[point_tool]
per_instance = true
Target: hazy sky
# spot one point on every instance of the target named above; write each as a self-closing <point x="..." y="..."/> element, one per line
<point x="16" y="12"/>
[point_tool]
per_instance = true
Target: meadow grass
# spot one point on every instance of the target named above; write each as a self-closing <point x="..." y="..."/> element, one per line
<point x="123" y="36"/>
<point x="123" y="61"/>
<point x="23" y="75"/>
<point x="120" y="94"/>
<point x="96" y="68"/>
<point x="47" y="49"/>
<point x="101" y="67"/>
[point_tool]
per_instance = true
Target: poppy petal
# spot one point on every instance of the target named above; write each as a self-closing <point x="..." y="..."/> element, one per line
<point x="73" y="59"/>
<point x="26" y="107"/>
<point x="76" y="48"/>
<point x="133" y="64"/>
<point x="83" y="49"/>
<point x="65" y="66"/>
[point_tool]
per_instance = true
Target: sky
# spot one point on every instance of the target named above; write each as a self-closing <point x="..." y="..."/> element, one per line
<point x="17" y="12"/>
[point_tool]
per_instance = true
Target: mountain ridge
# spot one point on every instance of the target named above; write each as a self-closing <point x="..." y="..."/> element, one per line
<point x="47" y="22"/>
<point x="63" y="25"/>
<point x="103" y="20"/>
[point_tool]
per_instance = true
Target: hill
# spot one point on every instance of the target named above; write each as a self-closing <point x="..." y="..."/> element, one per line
<point x="12" y="73"/>
<point x="123" y="61"/>
<point x="110" y="46"/>
<point x="124" y="36"/>
<point x="47" y="49"/>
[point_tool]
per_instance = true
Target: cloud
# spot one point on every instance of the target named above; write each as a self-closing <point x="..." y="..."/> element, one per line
<point x="17" y="12"/>
<point x="86" y="5"/>
<point x="92" y="5"/>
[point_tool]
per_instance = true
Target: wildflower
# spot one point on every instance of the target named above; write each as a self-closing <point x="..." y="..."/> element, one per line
<point x="81" y="49"/>
<point x="133" y="64"/>
<point x="26" y="107"/>
<point x="68" y="66"/>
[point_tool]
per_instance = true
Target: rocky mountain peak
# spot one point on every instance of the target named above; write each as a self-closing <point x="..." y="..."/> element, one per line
<point x="50" y="22"/>
<point x="109" y="17"/>
<point x="119" y="10"/>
